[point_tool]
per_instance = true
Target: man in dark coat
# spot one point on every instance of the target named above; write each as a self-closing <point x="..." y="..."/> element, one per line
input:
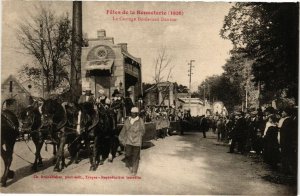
<point x="286" y="126"/>
<point x="128" y="103"/>
<point x="204" y="126"/>
<point x="118" y="105"/>
<point x="238" y="134"/>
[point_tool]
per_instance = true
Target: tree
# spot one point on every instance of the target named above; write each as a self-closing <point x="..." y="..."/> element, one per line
<point x="267" y="34"/>
<point x="162" y="72"/>
<point x="163" y="68"/>
<point x="220" y="88"/>
<point x="238" y="70"/>
<point x="182" y="88"/>
<point x="47" y="38"/>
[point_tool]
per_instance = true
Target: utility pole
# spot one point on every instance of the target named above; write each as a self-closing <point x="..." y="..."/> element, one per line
<point x="208" y="88"/>
<point x="204" y="94"/>
<point x="190" y="81"/>
<point x="77" y="43"/>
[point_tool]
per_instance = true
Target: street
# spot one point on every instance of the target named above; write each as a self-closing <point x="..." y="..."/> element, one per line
<point x="188" y="164"/>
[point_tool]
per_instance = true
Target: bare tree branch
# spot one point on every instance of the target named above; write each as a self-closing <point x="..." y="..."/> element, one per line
<point x="46" y="37"/>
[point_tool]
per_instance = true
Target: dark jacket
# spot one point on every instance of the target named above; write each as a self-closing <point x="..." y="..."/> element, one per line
<point x="286" y="133"/>
<point x="82" y="99"/>
<point x="204" y="124"/>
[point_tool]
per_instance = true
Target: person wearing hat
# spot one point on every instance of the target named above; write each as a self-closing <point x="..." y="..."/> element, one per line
<point x="101" y="99"/>
<point x="87" y="96"/>
<point x="128" y="103"/>
<point x="117" y="104"/>
<point x="204" y="125"/>
<point x="271" y="145"/>
<point x="131" y="137"/>
<point x="286" y="129"/>
<point x="238" y="133"/>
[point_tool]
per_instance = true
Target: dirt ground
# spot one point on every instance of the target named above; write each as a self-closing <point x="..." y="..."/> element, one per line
<point x="188" y="164"/>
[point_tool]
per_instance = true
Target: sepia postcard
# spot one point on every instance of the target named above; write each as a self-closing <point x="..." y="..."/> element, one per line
<point x="149" y="98"/>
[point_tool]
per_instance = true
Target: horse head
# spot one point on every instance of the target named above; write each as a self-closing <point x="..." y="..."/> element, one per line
<point x="72" y="113"/>
<point x="79" y="116"/>
<point x="53" y="113"/>
<point x="87" y="113"/>
<point x="30" y="119"/>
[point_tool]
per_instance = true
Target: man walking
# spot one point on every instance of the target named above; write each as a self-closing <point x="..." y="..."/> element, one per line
<point x="204" y="126"/>
<point x="131" y="136"/>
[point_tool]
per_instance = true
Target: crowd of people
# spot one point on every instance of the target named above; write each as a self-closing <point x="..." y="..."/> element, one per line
<point x="270" y="133"/>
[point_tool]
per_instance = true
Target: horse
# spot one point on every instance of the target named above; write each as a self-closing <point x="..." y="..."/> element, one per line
<point x="113" y="134"/>
<point x="81" y="122"/>
<point x="53" y="119"/>
<point x="107" y="134"/>
<point x="9" y="134"/>
<point x="30" y="119"/>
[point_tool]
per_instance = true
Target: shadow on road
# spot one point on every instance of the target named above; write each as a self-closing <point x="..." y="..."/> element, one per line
<point x="27" y="171"/>
<point x="147" y="144"/>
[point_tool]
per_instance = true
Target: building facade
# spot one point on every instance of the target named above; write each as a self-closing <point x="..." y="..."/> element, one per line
<point x="163" y="94"/>
<point x="109" y="66"/>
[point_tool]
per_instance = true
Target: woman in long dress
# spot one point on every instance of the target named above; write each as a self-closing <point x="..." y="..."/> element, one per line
<point x="271" y="145"/>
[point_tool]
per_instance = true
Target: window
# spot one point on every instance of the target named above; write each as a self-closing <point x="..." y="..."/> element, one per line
<point x="10" y="86"/>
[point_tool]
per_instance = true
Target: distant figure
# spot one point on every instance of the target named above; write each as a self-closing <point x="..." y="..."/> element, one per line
<point x="204" y="126"/>
<point x="103" y="99"/>
<point x="87" y="97"/>
<point x="128" y="103"/>
<point x="271" y="145"/>
<point x="220" y="129"/>
<point x="238" y="134"/>
<point x="117" y="105"/>
<point x="286" y="127"/>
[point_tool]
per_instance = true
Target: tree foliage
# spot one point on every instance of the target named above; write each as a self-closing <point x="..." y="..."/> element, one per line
<point x="47" y="38"/>
<point x="267" y="34"/>
<point x="220" y="88"/>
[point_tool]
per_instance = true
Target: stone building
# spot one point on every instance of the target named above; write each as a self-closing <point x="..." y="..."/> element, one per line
<point x="109" y="66"/>
<point x="12" y="88"/>
<point x="195" y="105"/>
<point x="19" y="90"/>
<point x="164" y="94"/>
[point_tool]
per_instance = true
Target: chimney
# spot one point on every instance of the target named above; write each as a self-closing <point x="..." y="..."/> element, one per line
<point x="101" y="33"/>
<point x="123" y="46"/>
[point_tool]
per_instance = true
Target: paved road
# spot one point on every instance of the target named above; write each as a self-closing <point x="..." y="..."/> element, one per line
<point x="186" y="164"/>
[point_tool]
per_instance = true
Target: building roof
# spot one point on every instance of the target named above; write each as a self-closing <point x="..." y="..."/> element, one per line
<point x="35" y="89"/>
<point x="161" y="84"/>
<point x="126" y="53"/>
<point x="193" y="100"/>
<point x="13" y="78"/>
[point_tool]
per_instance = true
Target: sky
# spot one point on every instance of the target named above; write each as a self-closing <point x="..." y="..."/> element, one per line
<point x="193" y="36"/>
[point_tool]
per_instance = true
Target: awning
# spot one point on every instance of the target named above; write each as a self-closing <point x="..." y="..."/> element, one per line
<point x="100" y="65"/>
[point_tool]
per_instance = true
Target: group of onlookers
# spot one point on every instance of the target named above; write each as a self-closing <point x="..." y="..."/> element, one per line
<point x="270" y="133"/>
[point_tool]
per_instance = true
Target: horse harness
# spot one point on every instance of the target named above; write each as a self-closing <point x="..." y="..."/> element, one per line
<point x="9" y="121"/>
